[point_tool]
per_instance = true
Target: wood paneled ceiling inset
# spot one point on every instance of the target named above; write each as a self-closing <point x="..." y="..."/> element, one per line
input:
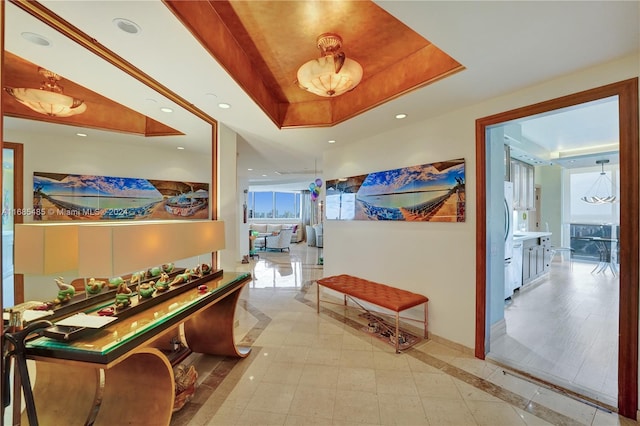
<point x="262" y="44"/>
<point x="102" y="113"/>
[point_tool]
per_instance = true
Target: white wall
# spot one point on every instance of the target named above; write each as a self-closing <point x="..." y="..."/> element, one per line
<point x="550" y="180"/>
<point x="82" y="156"/>
<point x="230" y="200"/>
<point x="434" y="259"/>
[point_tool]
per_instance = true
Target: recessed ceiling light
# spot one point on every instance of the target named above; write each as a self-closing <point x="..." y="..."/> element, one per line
<point x="332" y="141"/>
<point x="36" y="39"/>
<point x="250" y="170"/>
<point x="127" y="26"/>
<point x="82" y="135"/>
<point x="224" y="105"/>
<point x="165" y="109"/>
<point x="181" y="147"/>
<point x="401" y="116"/>
<point x="264" y="175"/>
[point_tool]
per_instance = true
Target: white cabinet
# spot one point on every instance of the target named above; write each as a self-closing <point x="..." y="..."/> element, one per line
<point x="522" y="176"/>
<point x="516" y="262"/>
<point x="513" y="271"/>
<point x="536" y="258"/>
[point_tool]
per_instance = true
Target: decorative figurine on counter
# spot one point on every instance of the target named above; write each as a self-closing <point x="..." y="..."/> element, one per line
<point x="146" y="290"/>
<point x="46" y="306"/>
<point x="204" y="268"/>
<point x="136" y="277"/>
<point x="168" y="268"/>
<point x="94" y="286"/>
<point x="107" y="312"/>
<point x="163" y="283"/>
<point x="183" y="278"/>
<point x="154" y="272"/>
<point x="123" y="296"/>
<point x="115" y="282"/>
<point x="65" y="293"/>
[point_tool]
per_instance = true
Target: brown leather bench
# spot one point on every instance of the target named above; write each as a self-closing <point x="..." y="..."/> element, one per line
<point x="391" y="298"/>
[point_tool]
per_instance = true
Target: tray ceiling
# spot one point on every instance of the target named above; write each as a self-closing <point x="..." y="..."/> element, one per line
<point x="263" y="43"/>
<point x="102" y="112"/>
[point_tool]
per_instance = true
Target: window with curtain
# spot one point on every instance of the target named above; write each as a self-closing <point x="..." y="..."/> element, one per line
<point x="274" y="205"/>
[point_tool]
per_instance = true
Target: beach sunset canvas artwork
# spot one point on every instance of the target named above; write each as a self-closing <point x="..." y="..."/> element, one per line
<point x="60" y="196"/>
<point x="424" y="193"/>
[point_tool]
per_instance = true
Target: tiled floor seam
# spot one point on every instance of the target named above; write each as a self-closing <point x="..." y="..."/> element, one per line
<point x="220" y="372"/>
<point x="224" y="367"/>
<point x="484" y="385"/>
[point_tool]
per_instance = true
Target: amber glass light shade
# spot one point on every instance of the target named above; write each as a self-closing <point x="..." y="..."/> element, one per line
<point x="332" y="74"/>
<point x="48" y="99"/>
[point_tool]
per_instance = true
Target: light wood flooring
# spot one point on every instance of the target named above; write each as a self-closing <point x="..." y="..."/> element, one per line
<point x="564" y="329"/>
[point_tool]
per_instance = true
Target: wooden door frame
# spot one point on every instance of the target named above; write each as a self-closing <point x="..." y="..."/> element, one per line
<point x="627" y="92"/>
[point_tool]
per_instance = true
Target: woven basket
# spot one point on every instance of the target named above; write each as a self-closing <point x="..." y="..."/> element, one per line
<point x="185" y="378"/>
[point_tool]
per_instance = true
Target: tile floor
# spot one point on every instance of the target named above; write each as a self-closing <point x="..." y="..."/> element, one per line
<point x="306" y="368"/>
<point x="582" y="310"/>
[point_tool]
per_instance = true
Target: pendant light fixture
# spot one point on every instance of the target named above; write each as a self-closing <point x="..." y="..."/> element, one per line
<point x="601" y="190"/>
<point x="49" y="99"/>
<point x="332" y="74"/>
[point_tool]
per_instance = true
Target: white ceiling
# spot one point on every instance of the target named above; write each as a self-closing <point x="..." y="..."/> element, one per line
<point x="570" y="137"/>
<point x="505" y="46"/>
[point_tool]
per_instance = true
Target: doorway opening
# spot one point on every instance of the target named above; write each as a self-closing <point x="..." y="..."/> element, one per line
<point x="488" y="297"/>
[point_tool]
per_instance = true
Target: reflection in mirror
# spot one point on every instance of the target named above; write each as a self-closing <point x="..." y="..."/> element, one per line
<point x="8" y="173"/>
<point x="123" y="132"/>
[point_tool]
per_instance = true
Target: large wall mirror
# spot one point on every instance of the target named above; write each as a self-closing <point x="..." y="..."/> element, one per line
<point x="123" y="132"/>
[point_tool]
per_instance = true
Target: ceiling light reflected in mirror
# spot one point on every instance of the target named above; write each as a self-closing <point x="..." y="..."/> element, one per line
<point x="127" y="26"/>
<point x="36" y="39"/>
<point x="49" y="99"/>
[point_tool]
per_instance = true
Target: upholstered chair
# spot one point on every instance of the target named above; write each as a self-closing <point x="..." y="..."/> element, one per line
<point x="319" y="235"/>
<point x="281" y="241"/>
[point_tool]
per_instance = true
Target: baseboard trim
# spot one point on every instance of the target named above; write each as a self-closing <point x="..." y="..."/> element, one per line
<point x="451" y="344"/>
<point x="498" y="329"/>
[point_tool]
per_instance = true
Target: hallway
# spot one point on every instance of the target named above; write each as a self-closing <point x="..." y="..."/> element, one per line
<point x="322" y="369"/>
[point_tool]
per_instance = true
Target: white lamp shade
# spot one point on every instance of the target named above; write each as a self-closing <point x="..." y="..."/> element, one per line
<point x="47" y="102"/>
<point x="113" y="249"/>
<point x="318" y="76"/>
<point x="44" y="249"/>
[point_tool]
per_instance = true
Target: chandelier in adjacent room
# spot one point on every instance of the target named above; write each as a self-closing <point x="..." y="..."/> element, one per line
<point x="49" y="99"/>
<point x="601" y="190"/>
<point x="332" y="74"/>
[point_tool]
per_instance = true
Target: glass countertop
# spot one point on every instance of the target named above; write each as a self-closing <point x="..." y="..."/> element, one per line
<point x="105" y="344"/>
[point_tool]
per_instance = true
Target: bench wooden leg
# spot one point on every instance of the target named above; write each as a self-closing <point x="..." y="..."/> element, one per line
<point x="426" y="323"/>
<point x="398" y="332"/>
